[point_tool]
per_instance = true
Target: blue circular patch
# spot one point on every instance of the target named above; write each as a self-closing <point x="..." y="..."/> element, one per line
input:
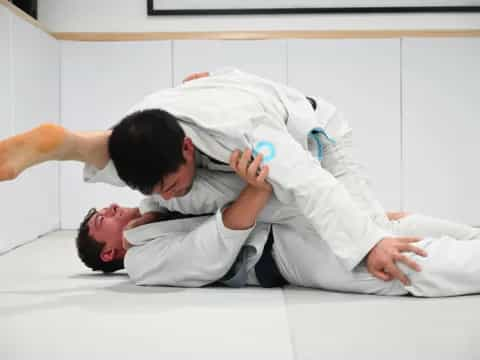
<point x="269" y="154"/>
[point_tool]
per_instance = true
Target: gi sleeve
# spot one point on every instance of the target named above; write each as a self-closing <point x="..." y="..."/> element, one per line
<point x="298" y="178"/>
<point x="224" y="71"/>
<point x="107" y="175"/>
<point x="210" y="191"/>
<point x="151" y="204"/>
<point x="194" y="258"/>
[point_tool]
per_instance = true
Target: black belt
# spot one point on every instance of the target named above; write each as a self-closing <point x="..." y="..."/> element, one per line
<point x="266" y="269"/>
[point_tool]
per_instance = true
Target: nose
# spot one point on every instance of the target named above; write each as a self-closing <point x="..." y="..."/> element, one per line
<point x="113" y="209"/>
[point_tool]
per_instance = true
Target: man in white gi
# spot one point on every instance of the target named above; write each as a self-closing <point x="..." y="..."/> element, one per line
<point x="198" y="251"/>
<point x="158" y="145"/>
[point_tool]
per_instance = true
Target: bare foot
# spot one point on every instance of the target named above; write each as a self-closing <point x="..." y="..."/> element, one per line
<point x="397" y="215"/>
<point x="30" y="148"/>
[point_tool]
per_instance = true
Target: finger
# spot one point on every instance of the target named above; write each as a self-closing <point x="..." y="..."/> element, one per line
<point x="131" y="224"/>
<point x="413" y="249"/>
<point x="409" y="262"/>
<point x="195" y="76"/>
<point x="263" y="174"/>
<point x="395" y="272"/>
<point x="234" y="159"/>
<point x="139" y="221"/>
<point x="253" y="167"/>
<point x="388" y="276"/>
<point x="189" y="77"/>
<point x="244" y="160"/>
<point x="396" y="215"/>
<point x="199" y="75"/>
<point x="409" y="239"/>
<point x="381" y="275"/>
<point x="146" y="218"/>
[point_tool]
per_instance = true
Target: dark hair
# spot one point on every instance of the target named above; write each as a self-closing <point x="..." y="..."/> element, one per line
<point x="145" y="147"/>
<point x="89" y="249"/>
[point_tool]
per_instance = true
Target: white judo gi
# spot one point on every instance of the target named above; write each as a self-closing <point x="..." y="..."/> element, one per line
<point x="350" y="219"/>
<point x="198" y="251"/>
<point x="234" y="110"/>
<point x="194" y="252"/>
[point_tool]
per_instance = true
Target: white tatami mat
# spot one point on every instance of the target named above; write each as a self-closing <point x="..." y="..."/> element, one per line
<point x="52" y="307"/>
<point x="334" y="326"/>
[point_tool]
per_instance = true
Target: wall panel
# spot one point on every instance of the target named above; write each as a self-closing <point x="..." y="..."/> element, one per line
<point x="36" y="96"/>
<point x="361" y="78"/>
<point x="7" y="231"/>
<point x="441" y="107"/>
<point x="5" y="74"/>
<point x="266" y="58"/>
<point x="100" y="82"/>
<point x="30" y="203"/>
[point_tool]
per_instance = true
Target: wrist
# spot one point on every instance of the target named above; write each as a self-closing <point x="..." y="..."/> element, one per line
<point x="241" y="214"/>
<point x="259" y="191"/>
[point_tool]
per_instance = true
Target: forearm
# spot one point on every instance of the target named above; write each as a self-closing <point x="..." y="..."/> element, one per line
<point x="241" y="214"/>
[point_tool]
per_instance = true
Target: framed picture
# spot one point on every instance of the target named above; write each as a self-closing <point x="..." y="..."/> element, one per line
<point x="28" y="6"/>
<point x="237" y="7"/>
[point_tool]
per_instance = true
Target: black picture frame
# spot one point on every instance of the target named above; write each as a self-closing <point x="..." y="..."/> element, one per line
<point x="151" y="11"/>
<point x="28" y="6"/>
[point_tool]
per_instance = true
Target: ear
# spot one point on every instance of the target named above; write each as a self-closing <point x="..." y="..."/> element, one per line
<point x="107" y="255"/>
<point x="188" y="148"/>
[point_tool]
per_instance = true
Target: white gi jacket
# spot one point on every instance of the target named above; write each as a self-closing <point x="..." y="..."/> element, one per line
<point x="197" y="251"/>
<point x="190" y="252"/>
<point x="234" y="110"/>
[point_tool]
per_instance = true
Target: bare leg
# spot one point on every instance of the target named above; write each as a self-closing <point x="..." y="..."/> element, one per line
<point x="51" y="142"/>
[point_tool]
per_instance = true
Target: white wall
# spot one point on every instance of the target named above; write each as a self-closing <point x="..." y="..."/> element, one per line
<point x="131" y="16"/>
<point x="5" y="74"/>
<point x="362" y="78"/>
<point x="100" y="82"/>
<point x="414" y="117"/>
<point x="441" y="127"/>
<point x="29" y="95"/>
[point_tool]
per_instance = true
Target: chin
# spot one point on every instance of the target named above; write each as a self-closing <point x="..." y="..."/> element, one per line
<point x="131" y="213"/>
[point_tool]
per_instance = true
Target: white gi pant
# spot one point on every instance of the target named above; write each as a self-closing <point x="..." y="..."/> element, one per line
<point x="452" y="266"/>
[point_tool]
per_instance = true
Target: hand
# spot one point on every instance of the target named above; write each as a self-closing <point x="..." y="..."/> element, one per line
<point x="141" y="220"/>
<point x="250" y="170"/>
<point x="195" y="76"/>
<point x="381" y="259"/>
<point x="396" y="215"/>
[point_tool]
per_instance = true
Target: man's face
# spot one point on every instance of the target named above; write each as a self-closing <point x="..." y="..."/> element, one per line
<point x="179" y="182"/>
<point x="106" y="226"/>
